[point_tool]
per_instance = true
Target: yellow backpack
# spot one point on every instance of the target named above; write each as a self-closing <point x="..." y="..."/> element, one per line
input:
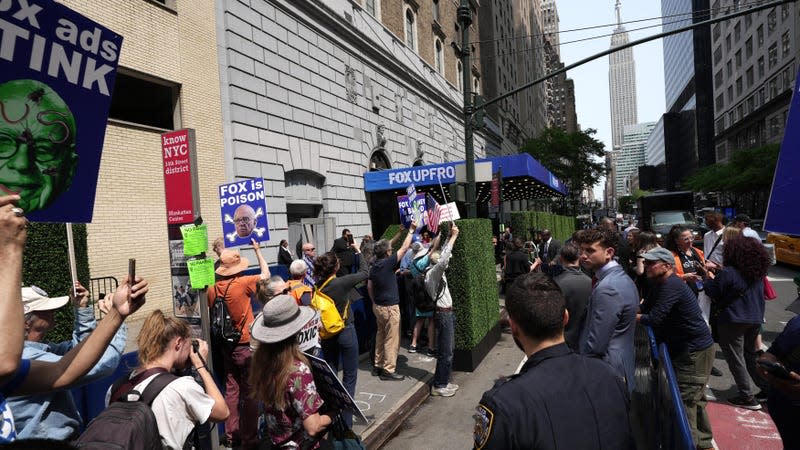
<point x="332" y="322"/>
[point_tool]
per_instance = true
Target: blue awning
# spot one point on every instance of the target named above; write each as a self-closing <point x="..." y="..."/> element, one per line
<point x="523" y="178"/>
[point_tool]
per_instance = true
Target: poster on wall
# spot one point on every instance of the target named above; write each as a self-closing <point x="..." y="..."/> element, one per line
<point x="243" y="208"/>
<point x="57" y="73"/>
<point x="184" y="298"/>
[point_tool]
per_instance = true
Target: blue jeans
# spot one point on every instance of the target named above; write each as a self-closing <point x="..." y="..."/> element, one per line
<point x="344" y="346"/>
<point x="445" y="328"/>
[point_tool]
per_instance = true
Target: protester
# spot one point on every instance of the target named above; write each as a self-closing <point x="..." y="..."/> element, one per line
<point x="738" y="290"/>
<point x="576" y="287"/>
<point x="266" y="290"/>
<point x="690" y="265"/>
<point x="54" y="415"/>
<point x="517" y="263"/>
<point x="344" y="345"/>
<point x="420" y="261"/>
<point x="444" y="318"/>
<point x="676" y="320"/>
<point x="742" y="221"/>
<point x="784" y="394"/>
<point x="712" y="240"/>
<point x="382" y="287"/>
<point x="282" y="380"/>
<point x="309" y="253"/>
<point x="297" y="288"/>
<point x="622" y="252"/>
<point x="236" y="289"/>
<point x="270" y="288"/>
<point x="343" y="248"/>
<point x="284" y="255"/>
<point x="559" y="399"/>
<point x="608" y="330"/>
<point x="165" y="345"/>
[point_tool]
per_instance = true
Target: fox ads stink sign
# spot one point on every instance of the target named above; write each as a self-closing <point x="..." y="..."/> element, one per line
<point x="57" y="72"/>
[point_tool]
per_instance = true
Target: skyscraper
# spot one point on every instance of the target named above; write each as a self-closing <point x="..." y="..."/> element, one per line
<point x="621" y="84"/>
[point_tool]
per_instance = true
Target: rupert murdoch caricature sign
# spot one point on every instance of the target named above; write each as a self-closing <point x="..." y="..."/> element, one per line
<point x="244" y="212"/>
<point x="57" y="73"/>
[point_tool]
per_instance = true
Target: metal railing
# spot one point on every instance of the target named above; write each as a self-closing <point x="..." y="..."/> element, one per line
<point x="98" y="289"/>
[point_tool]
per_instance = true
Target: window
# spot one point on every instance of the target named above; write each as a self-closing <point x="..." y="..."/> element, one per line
<point x="771" y="21"/>
<point x="784" y="12"/>
<point x="161" y="109"/>
<point x="762" y="96"/>
<point x="730" y="94"/>
<point x="760" y="67"/>
<point x="370" y="7"/>
<point x="773" y="55"/>
<point x="719" y="102"/>
<point x="436" y="11"/>
<point x="717" y="55"/>
<point x="785" y="46"/>
<point x="728" y="43"/>
<point x="439" y="56"/>
<point x="748" y="48"/>
<point x="748" y="21"/>
<point x="749" y="76"/>
<point x="411" y="29"/>
<point x="739" y="86"/>
<point x="460" y="76"/>
<point x="737" y="32"/>
<point x="476" y="85"/>
<point x="718" y="79"/>
<point x="773" y="88"/>
<point x="738" y="58"/>
<point x="749" y="105"/>
<point x="774" y="126"/>
<point x="729" y="68"/>
<point x="760" y="35"/>
<point x="716" y="32"/>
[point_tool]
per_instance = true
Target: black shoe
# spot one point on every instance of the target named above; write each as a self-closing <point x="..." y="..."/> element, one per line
<point x="392" y="376"/>
<point x="376" y="371"/>
<point x="745" y="402"/>
<point x="716" y="372"/>
<point x="762" y="396"/>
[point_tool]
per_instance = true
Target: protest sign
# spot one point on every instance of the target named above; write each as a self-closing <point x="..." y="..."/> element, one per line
<point x="201" y="272"/>
<point x="244" y="212"/>
<point x="412" y="211"/>
<point x="195" y="239"/>
<point x="57" y="73"/>
<point x="449" y="212"/>
<point x="308" y="337"/>
<point x="331" y="389"/>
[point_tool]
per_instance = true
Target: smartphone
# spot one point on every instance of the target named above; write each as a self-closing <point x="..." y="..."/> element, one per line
<point x="775" y="369"/>
<point x="350" y="239"/>
<point x="131" y="270"/>
<point x="195" y="346"/>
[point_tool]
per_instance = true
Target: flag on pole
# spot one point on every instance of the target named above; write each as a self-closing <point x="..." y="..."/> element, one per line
<point x="434" y="214"/>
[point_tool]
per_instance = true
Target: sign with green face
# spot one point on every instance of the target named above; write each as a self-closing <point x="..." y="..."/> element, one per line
<point x="57" y="73"/>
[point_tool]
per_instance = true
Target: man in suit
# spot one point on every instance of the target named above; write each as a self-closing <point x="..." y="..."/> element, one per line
<point x="549" y="249"/>
<point x="284" y="255"/>
<point x="608" y="330"/>
<point x="576" y="287"/>
<point x="343" y="249"/>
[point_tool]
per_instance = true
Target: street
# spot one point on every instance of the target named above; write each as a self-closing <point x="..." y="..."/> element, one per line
<point x="446" y="423"/>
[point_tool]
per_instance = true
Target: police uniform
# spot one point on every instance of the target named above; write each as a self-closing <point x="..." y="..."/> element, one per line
<point x="559" y="400"/>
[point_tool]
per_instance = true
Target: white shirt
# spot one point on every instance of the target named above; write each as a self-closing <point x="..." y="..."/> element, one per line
<point x="751" y="233"/>
<point x="708" y="243"/>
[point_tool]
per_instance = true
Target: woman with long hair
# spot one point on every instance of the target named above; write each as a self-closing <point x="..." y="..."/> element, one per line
<point x="643" y="243"/>
<point x="166" y="345"/>
<point x="345" y="343"/>
<point x="281" y="378"/>
<point x="738" y="292"/>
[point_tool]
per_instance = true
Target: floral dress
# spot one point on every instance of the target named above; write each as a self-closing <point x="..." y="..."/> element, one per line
<point x="285" y="427"/>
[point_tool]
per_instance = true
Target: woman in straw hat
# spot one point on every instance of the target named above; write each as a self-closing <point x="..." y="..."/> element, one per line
<point x="281" y="378"/>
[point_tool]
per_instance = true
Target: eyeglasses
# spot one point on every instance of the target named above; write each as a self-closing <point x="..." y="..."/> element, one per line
<point x="309" y="249"/>
<point x="243" y="220"/>
<point x="286" y="291"/>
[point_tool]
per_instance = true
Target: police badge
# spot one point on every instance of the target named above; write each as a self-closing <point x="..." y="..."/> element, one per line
<point x="484" y="419"/>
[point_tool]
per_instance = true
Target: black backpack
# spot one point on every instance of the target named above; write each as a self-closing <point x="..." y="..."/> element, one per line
<point x="223" y="329"/>
<point x="127" y="422"/>
<point x="422" y="299"/>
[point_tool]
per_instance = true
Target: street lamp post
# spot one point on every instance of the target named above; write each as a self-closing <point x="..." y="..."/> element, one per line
<point x="464" y="15"/>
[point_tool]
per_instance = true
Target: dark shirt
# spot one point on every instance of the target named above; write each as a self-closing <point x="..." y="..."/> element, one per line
<point x="341" y="247"/>
<point x="384" y="282"/>
<point x="624" y="255"/>
<point x="284" y="257"/>
<point x="745" y="300"/>
<point x="517" y="263"/>
<point x="338" y="289"/>
<point x="676" y="318"/>
<point x="559" y="400"/>
<point x="576" y="287"/>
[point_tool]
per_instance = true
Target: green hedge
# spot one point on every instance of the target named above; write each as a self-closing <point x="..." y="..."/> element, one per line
<point x="46" y="265"/>
<point x="522" y="222"/>
<point x="390" y="232"/>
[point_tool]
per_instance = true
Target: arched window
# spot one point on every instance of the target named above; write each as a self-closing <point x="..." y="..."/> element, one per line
<point x="379" y="161"/>
<point x="460" y="76"/>
<point x="411" y="29"/>
<point x="476" y="85"/>
<point x="438" y="51"/>
<point x="436" y="10"/>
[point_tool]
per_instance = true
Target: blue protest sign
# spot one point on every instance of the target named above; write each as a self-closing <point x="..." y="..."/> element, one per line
<point x="57" y="72"/>
<point x="410" y="211"/>
<point x="411" y="192"/>
<point x="244" y="212"/>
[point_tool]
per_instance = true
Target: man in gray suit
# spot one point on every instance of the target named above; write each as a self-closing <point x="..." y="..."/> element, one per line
<point x="608" y="329"/>
<point x="576" y="287"/>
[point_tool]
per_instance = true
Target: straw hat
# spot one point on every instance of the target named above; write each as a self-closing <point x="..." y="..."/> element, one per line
<point x="280" y="319"/>
<point x="231" y="263"/>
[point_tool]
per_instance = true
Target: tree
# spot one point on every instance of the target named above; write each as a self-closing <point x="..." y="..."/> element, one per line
<point x="572" y="157"/>
<point x="626" y="203"/>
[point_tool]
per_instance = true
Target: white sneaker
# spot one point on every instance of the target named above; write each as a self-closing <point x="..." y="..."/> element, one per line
<point x="442" y="392"/>
<point x="452" y="386"/>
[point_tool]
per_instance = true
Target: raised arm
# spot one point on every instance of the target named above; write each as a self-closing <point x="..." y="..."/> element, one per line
<point x="67" y="372"/>
<point x="262" y="263"/>
<point x="12" y="243"/>
<point x="219" y="411"/>
<point x="407" y="241"/>
<point x="396" y="236"/>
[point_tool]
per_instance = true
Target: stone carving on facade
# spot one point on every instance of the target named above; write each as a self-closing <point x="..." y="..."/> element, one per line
<point x="380" y="137"/>
<point x="350" y="84"/>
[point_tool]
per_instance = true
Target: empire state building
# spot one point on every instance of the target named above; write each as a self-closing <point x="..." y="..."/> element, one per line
<point x="621" y="84"/>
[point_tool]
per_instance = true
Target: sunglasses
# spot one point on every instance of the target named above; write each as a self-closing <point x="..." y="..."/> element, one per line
<point x="286" y="291"/>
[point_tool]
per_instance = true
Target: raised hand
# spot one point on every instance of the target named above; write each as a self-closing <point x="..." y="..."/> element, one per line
<point x="128" y="299"/>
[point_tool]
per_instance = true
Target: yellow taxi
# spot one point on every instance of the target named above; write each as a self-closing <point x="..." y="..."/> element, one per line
<point x="787" y="247"/>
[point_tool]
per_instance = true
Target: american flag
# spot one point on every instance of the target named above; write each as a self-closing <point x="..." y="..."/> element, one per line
<point x="434" y="214"/>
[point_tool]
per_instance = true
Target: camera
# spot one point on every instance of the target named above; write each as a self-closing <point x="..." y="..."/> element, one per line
<point x="195" y="346"/>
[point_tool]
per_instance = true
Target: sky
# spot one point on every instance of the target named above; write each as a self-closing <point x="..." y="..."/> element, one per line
<point x="591" y="79"/>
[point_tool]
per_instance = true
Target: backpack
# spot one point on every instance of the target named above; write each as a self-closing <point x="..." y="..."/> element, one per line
<point x="332" y="321"/>
<point x="420" y="295"/>
<point x="223" y="330"/>
<point x="127" y="422"/>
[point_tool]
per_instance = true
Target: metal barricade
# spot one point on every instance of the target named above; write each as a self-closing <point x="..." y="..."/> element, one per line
<point x="98" y="289"/>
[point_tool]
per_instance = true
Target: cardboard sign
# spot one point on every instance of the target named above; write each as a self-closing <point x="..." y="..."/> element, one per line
<point x="243" y="209"/>
<point x="57" y="73"/>
<point x="330" y="388"/>
<point x="412" y="211"/>
<point x="449" y="212"/>
<point x="308" y="337"/>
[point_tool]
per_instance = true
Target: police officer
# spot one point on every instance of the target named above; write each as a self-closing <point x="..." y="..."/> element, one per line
<point x="559" y="399"/>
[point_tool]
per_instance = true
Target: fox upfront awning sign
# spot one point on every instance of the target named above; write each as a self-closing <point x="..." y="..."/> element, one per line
<point x="57" y="71"/>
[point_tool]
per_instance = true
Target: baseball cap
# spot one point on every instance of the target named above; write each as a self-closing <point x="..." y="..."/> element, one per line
<point x="660" y="254"/>
<point x="36" y="299"/>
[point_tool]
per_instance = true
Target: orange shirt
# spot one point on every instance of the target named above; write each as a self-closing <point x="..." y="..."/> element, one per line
<point x="238" y="300"/>
<point x="679" y="266"/>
